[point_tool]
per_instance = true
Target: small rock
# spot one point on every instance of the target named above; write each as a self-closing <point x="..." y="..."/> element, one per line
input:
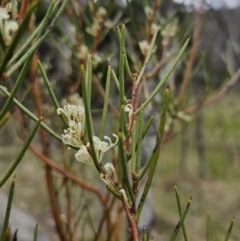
<point x="21" y="221"/>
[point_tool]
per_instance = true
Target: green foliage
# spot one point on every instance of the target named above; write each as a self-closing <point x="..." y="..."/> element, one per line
<point x="88" y="29"/>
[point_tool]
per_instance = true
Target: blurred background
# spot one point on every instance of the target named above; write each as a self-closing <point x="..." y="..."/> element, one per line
<point x="201" y="149"/>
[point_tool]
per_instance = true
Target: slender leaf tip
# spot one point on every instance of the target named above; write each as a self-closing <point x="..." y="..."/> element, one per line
<point x="167" y="90"/>
<point x="34" y="3"/>
<point x="120" y="134"/>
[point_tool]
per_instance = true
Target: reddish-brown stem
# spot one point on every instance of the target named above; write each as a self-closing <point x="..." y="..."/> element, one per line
<point x="93" y="10"/>
<point x="106" y="216"/>
<point x="46" y="152"/>
<point x="108" y="211"/>
<point x="73" y="88"/>
<point x="139" y="91"/>
<point x="189" y="65"/>
<point x="134" y="92"/>
<point x="67" y="174"/>
<point x="215" y="98"/>
<point x="151" y="20"/>
<point x="132" y="222"/>
<point x="3" y="4"/>
<point x="80" y="18"/>
<point x="97" y="40"/>
<point x="55" y="208"/>
<point x="23" y="10"/>
<point x="117" y="225"/>
<point x="132" y="103"/>
<point x="205" y="103"/>
<point x="159" y="64"/>
<point x="69" y="211"/>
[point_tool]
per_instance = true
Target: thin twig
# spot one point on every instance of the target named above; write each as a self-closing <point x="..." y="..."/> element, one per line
<point x="151" y="20"/>
<point x="69" y="209"/>
<point x="105" y="216"/>
<point x="67" y="174"/>
<point x="132" y="222"/>
<point x="193" y="53"/>
<point x="44" y="138"/>
<point x="215" y="98"/>
<point x="101" y="91"/>
<point x="159" y="64"/>
<point x="23" y="10"/>
<point x="117" y="226"/>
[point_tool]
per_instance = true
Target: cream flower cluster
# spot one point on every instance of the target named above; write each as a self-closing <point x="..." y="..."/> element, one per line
<point x="99" y="18"/>
<point x="7" y="27"/>
<point x="73" y="135"/>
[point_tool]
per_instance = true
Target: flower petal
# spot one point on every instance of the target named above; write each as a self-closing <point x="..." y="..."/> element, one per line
<point x="83" y="156"/>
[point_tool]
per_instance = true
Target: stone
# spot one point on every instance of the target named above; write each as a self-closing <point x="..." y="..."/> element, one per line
<point x="24" y="223"/>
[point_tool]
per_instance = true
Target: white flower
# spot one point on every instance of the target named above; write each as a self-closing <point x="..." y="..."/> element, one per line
<point x="62" y="111"/>
<point x="72" y="138"/>
<point x="154" y="28"/>
<point x="181" y="115"/>
<point x="73" y="112"/>
<point x="10" y="27"/>
<point x="94" y="28"/>
<point x="102" y="146"/>
<point x="144" y="47"/>
<point x="67" y="139"/>
<point x="83" y="52"/>
<point x="76" y="120"/>
<point x="9" y="7"/>
<point x="125" y="197"/>
<point x="108" y="24"/>
<point x="83" y="156"/>
<point x="105" y="179"/>
<point x="72" y="135"/>
<point x="109" y="169"/>
<point x="76" y="128"/>
<point x="129" y="108"/>
<point x="75" y="99"/>
<point x="170" y="29"/>
<point x="101" y="13"/>
<point x="3" y="16"/>
<point x="97" y="57"/>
